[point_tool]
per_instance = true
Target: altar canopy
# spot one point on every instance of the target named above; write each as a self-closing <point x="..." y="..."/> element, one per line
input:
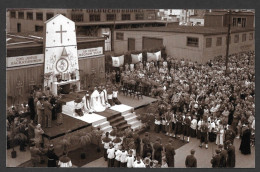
<point x="60" y="50"/>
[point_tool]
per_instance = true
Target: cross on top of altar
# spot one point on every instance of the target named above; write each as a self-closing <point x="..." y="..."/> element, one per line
<point x="59" y="30"/>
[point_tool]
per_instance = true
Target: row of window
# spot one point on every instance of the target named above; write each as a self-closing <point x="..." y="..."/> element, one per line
<point x="29" y="15"/>
<point x="76" y="17"/>
<point x="109" y="10"/>
<point x="194" y="42"/>
<point x="109" y="17"/>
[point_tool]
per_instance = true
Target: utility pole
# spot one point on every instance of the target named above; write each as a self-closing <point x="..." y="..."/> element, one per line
<point x="228" y="36"/>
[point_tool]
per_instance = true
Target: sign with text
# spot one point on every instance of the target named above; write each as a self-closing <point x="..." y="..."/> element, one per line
<point x="39" y="58"/>
<point x="90" y="52"/>
<point x="24" y="60"/>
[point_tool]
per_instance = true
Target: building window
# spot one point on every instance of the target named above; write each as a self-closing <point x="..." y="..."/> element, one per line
<point x="94" y="17"/>
<point x="239" y="22"/>
<point x="244" y="37"/>
<point x="29" y="16"/>
<point x="251" y="36"/>
<point x="21" y="15"/>
<point x="119" y="36"/>
<point x="139" y="16"/>
<point x="49" y="15"/>
<point x="236" y="39"/>
<point x="151" y="16"/>
<point x="208" y="42"/>
<point x="111" y="17"/>
<point x="219" y="41"/>
<point x="39" y="16"/>
<point x="13" y="14"/>
<point x="192" y="42"/>
<point x="77" y="17"/>
<point x="38" y="28"/>
<point x="125" y="16"/>
<point x="229" y="40"/>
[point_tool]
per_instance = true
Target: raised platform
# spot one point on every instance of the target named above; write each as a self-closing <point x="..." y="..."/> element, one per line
<point x="120" y="116"/>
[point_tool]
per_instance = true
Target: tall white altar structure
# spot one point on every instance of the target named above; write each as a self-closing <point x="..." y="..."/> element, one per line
<point x="60" y="53"/>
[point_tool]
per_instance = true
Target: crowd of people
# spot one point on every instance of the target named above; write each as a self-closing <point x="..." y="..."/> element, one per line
<point x="203" y="101"/>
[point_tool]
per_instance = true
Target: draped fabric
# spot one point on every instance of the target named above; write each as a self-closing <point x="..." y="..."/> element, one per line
<point x="137" y="58"/>
<point x="154" y="56"/>
<point x="118" y="61"/>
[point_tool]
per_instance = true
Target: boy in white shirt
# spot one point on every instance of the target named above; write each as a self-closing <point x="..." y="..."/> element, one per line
<point x="111" y="155"/>
<point x="139" y="163"/>
<point x="130" y="159"/>
<point x="123" y="158"/>
<point x="118" y="154"/>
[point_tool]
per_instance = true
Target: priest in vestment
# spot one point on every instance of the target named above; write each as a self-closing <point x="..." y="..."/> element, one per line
<point x="103" y="96"/>
<point x="95" y="101"/>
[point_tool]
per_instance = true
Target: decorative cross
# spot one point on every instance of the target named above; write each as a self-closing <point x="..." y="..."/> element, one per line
<point x="61" y="31"/>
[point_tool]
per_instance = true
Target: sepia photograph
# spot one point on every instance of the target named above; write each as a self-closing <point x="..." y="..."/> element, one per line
<point x="130" y="88"/>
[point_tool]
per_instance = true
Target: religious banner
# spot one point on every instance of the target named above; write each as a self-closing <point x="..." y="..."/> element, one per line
<point x="24" y="60"/>
<point x="137" y="58"/>
<point x="118" y="61"/>
<point x="90" y="52"/>
<point x="154" y="56"/>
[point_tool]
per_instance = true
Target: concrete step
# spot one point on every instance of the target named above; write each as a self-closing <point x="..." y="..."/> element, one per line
<point x="133" y="118"/>
<point x="102" y="125"/>
<point x="136" y="127"/>
<point x="107" y="129"/>
<point x="119" y="123"/>
<point x="134" y="123"/>
<point x="123" y="127"/>
<point x="127" y="111"/>
<point x="115" y="120"/>
<point x="128" y="115"/>
<point x="99" y="122"/>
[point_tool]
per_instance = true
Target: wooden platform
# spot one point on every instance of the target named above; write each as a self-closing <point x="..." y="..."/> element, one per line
<point x="71" y="124"/>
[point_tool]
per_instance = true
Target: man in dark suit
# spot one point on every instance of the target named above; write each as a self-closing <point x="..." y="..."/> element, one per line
<point x="215" y="161"/>
<point x="31" y="106"/>
<point x="191" y="161"/>
<point x="170" y="153"/>
<point x="223" y="156"/>
<point x="231" y="160"/>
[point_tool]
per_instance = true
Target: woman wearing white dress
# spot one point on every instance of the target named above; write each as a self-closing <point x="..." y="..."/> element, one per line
<point x="220" y="135"/>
